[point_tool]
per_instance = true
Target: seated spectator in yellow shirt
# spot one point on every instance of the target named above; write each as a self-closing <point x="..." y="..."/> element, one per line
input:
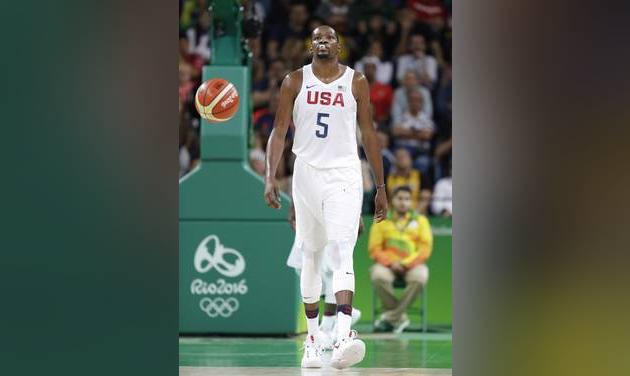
<point x="400" y="246"/>
<point x="403" y="174"/>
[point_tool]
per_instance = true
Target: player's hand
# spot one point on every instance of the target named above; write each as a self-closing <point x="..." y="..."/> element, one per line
<point x="272" y="197"/>
<point x="380" y="205"/>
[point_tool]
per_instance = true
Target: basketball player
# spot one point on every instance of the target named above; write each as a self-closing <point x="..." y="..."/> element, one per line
<point x="326" y="100"/>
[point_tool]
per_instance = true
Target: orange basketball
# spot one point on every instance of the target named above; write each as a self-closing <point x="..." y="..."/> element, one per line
<point x="217" y="100"/>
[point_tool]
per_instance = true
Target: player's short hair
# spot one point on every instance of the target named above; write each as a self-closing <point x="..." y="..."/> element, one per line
<point x="333" y="29"/>
<point x="402" y="188"/>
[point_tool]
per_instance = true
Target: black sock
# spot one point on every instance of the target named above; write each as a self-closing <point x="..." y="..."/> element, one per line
<point x="345" y="308"/>
<point x="311" y="314"/>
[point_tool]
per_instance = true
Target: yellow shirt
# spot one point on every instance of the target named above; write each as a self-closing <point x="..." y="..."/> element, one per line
<point x="408" y="240"/>
<point x="412" y="181"/>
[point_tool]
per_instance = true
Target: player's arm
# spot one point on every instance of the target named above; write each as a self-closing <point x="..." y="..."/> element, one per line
<point x="371" y="144"/>
<point x="275" y="145"/>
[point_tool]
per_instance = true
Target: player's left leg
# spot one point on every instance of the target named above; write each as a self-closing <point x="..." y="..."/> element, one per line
<point x="342" y="210"/>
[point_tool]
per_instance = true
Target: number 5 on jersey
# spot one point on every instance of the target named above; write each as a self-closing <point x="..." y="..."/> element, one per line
<point x="319" y="132"/>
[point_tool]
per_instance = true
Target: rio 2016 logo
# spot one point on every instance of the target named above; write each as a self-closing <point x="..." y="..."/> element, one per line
<point x="212" y="255"/>
<point x="204" y="260"/>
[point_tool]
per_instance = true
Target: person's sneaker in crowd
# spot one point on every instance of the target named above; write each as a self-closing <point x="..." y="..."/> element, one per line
<point x="347" y="351"/>
<point x="401" y="325"/>
<point x="356" y="315"/>
<point x="382" y="326"/>
<point x="312" y="357"/>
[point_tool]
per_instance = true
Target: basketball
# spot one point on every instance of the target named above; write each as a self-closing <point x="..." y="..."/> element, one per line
<point x="217" y="100"/>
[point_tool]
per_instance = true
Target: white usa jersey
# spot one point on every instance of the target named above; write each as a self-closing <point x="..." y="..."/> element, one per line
<point x="325" y="119"/>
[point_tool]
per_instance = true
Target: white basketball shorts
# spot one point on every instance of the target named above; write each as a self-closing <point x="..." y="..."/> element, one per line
<point x="327" y="205"/>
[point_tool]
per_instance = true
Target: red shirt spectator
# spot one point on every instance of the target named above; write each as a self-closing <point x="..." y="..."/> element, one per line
<point x="428" y="10"/>
<point x="381" y="95"/>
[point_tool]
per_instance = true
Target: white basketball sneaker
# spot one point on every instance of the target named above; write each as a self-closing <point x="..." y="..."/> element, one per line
<point x="348" y="351"/>
<point x="326" y="339"/>
<point x="312" y="354"/>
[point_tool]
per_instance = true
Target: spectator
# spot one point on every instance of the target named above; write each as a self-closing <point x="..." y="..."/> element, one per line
<point x="400" y="247"/>
<point x="376" y="27"/>
<point x="444" y="97"/>
<point x="257" y="155"/>
<point x="332" y="8"/>
<point x="186" y="85"/>
<point x="388" y="157"/>
<point x="263" y="87"/>
<point x="194" y="60"/>
<point x="400" y="104"/>
<point x="384" y="69"/>
<point x="414" y="131"/>
<point x="443" y="196"/>
<point x="431" y="12"/>
<point x="198" y="38"/>
<point x="418" y="61"/>
<point x="363" y="10"/>
<point x="264" y="122"/>
<point x="380" y="94"/>
<point x="403" y="174"/>
<point x="444" y="117"/>
<point x="189" y="151"/>
<point x="190" y="11"/>
<point x="296" y="27"/>
<point x="368" y="182"/>
<point x="443" y="157"/>
<point x="254" y="9"/>
<point x="406" y="26"/>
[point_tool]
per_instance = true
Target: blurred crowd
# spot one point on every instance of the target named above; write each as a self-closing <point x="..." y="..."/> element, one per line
<point x="402" y="46"/>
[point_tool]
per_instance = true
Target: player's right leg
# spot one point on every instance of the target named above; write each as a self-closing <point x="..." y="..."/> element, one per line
<point x="327" y="328"/>
<point x="312" y="238"/>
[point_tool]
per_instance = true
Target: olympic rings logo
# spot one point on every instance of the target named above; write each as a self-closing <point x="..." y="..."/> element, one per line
<point x="219" y="306"/>
<point x="204" y="260"/>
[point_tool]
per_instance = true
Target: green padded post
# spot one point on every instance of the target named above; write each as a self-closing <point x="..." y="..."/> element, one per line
<point x="226" y="45"/>
<point x="232" y="247"/>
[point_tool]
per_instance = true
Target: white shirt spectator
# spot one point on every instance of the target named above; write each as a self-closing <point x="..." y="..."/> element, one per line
<point x="184" y="161"/>
<point x="443" y="196"/>
<point x="202" y="48"/>
<point x="400" y="104"/>
<point x="416" y="122"/>
<point x="426" y="64"/>
<point x="384" y="69"/>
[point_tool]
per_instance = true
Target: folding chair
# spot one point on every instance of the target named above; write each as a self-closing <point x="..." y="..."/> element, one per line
<point x="400" y="283"/>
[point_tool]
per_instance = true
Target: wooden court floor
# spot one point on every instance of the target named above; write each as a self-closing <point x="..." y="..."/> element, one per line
<point x="387" y="354"/>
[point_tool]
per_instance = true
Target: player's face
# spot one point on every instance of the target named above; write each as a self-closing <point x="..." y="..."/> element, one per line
<point x="402" y="202"/>
<point x="324" y="43"/>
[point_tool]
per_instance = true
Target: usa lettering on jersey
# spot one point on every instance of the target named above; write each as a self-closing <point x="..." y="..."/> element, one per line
<point x="324" y="98"/>
<point x="325" y="117"/>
